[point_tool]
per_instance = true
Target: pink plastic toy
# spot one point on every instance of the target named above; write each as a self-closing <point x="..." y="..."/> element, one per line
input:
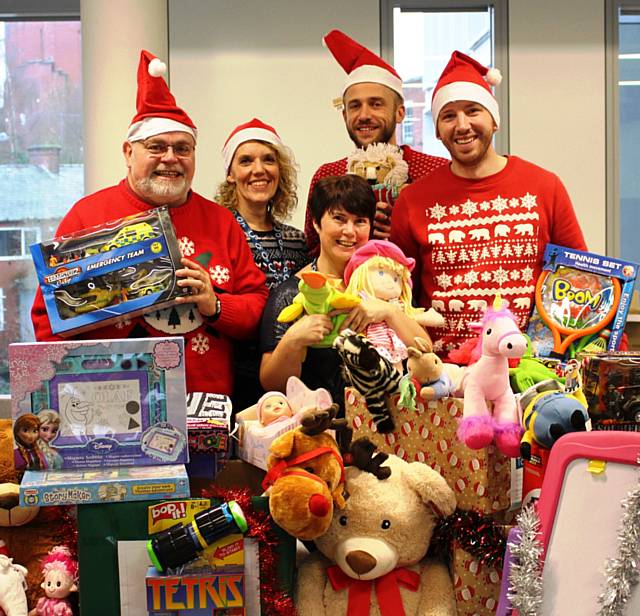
<point x="60" y="580"/>
<point x="488" y="380"/>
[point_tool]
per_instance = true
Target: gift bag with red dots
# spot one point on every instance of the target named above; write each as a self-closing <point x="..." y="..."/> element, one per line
<point x="479" y="478"/>
<point x="476" y="585"/>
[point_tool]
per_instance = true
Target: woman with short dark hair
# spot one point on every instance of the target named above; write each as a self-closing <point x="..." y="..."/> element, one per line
<point x="342" y="209"/>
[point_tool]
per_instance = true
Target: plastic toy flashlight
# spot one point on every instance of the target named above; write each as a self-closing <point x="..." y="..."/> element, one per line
<point x="180" y="544"/>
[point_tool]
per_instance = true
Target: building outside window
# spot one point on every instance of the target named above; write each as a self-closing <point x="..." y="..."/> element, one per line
<point x="41" y="156"/>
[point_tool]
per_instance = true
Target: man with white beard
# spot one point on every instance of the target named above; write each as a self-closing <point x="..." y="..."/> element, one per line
<point x="228" y="291"/>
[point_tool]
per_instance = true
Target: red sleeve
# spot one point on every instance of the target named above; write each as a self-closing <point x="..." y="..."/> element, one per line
<point x="402" y="235"/>
<point x="564" y="228"/>
<point x="242" y="309"/>
<point x="313" y="241"/>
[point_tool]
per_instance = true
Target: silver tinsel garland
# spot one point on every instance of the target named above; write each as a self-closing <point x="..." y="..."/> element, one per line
<point x="622" y="570"/>
<point x="525" y="574"/>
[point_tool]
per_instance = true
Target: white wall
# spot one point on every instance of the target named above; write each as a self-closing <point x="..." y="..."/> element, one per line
<point x="232" y="60"/>
<point x="557" y="99"/>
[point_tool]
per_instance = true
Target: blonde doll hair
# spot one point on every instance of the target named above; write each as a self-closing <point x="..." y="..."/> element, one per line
<point x="360" y="282"/>
<point x="49" y="416"/>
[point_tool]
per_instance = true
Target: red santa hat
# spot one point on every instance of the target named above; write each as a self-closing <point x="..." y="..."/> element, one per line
<point x="465" y="79"/>
<point x="361" y="64"/>
<point x="253" y="130"/>
<point x="4" y="551"/>
<point x="157" y="111"/>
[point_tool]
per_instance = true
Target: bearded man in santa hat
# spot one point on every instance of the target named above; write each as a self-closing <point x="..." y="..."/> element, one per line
<point x="478" y="226"/>
<point x="228" y="291"/>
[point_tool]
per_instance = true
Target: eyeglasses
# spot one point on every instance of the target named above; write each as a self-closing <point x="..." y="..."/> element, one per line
<point x="158" y="148"/>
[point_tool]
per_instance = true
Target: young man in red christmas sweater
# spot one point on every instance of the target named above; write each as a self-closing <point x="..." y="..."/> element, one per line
<point x="478" y="226"/>
<point x="228" y="291"/>
<point x="372" y="107"/>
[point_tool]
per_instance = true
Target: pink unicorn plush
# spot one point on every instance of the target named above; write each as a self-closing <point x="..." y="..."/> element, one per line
<point x="488" y="380"/>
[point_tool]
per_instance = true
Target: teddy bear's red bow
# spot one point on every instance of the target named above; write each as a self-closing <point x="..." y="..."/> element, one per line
<point x="387" y="590"/>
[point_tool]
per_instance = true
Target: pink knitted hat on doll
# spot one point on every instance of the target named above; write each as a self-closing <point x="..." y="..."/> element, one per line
<point x="157" y="110"/>
<point x="379" y="248"/>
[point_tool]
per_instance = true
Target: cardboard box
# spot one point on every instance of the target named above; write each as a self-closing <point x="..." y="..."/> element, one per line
<point x="479" y="478"/>
<point x="100" y="275"/>
<point x="254" y="439"/>
<point x="104" y="485"/>
<point x="117" y="402"/>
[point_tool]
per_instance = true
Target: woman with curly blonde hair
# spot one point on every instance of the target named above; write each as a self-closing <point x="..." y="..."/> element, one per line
<point x="260" y="189"/>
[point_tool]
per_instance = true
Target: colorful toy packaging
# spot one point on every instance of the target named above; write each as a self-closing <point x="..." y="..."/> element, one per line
<point x="582" y="301"/>
<point x="98" y="403"/>
<point x="208" y="422"/>
<point x="106" y="485"/>
<point x="198" y="553"/>
<point x="612" y="388"/>
<point x="99" y="275"/>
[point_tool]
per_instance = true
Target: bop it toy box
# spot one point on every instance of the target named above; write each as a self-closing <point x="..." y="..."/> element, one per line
<point x="103" y="485"/>
<point x="194" y="594"/>
<point x="582" y="301"/>
<point x="209" y="584"/>
<point x="124" y="267"/>
<point x="98" y="403"/>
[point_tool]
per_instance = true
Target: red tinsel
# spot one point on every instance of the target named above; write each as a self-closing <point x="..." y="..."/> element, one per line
<point x="274" y="601"/>
<point x="475" y="533"/>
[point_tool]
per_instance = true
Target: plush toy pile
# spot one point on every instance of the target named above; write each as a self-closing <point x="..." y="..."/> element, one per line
<point x="371" y="560"/>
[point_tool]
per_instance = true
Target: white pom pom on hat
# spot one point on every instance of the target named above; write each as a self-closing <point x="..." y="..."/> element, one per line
<point x="493" y="76"/>
<point x="157" y="68"/>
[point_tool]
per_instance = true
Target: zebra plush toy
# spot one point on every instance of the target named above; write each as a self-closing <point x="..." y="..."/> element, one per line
<point x="373" y="376"/>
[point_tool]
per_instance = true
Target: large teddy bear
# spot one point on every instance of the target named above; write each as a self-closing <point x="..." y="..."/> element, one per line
<point x="371" y="561"/>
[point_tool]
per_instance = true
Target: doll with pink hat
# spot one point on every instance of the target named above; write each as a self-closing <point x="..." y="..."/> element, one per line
<point x="379" y="269"/>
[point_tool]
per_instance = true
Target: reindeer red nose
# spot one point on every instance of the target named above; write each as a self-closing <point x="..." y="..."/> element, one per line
<point x="319" y="505"/>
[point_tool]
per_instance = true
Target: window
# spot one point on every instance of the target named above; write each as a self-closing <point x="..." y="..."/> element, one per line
<point x="418" y="36"/>
<point x="15" y="242"/>
<point x="623" y="211"/>
<point x="41" y="170"/>
<point x="409" y="130"/>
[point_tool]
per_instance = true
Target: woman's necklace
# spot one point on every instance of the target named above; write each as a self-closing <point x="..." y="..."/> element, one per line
<point x="271" y="271"/>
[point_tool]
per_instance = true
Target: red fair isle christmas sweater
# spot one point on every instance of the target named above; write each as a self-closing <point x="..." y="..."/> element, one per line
<point x="203" y="228"/>
<point x="419" y="165"/>
<point x="474" y="238"/>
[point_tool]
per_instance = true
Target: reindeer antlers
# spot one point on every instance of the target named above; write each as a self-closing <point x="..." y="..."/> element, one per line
<point x="362" y="455"/>
<point x="315" y="421"/>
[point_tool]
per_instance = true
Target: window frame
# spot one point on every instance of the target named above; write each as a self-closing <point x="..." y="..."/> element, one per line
<point x="612" y="122"/>
<point x="501" y="44"/>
